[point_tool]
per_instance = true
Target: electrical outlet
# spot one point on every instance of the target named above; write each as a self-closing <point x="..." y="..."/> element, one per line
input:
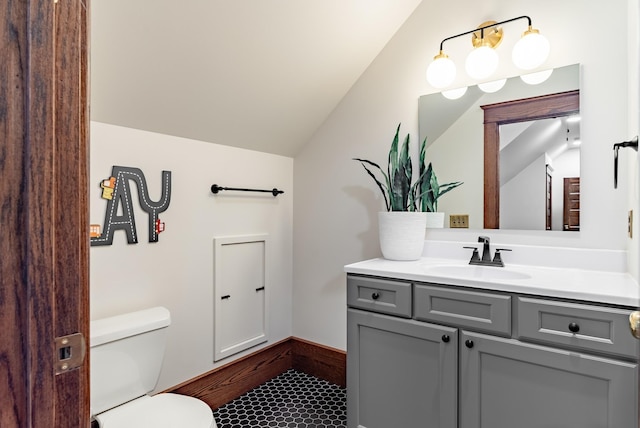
<point x="459" y="221"/>
<point x="630" y="223"/>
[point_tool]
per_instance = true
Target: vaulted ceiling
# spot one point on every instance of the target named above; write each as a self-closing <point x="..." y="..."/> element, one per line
<point x="255" y="74"/>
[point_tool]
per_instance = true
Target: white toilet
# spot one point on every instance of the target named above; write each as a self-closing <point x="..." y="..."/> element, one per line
<point x="126" y="356"/>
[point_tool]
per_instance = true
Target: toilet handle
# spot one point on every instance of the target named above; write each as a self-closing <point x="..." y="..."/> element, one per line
<point x="225" y="297"/>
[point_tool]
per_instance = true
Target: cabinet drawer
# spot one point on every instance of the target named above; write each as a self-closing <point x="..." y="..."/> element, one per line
<point x="574" y="325"/>
<point x="463" y="308"/>
<point x="384" y="296"/>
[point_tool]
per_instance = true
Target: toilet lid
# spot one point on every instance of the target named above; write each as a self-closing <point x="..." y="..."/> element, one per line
<point x="160" y="411"/>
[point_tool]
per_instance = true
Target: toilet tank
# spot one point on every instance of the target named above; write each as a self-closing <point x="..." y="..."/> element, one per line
<point x="126" y="356"/>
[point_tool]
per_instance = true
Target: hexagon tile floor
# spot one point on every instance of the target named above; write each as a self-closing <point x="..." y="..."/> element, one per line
<point x="291" y="400"/>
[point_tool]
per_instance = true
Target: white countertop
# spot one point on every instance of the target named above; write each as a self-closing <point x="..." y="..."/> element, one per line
<point x="606" y="287"/>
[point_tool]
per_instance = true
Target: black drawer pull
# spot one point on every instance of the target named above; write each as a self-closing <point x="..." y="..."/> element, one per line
<point x="226" y="296"/>
<point x="375" y="296"/>
<point x="574" y="328"/>
<point x="468" y="343"/>
<point x="259" y="288"/>
<point x="445" y="338"/>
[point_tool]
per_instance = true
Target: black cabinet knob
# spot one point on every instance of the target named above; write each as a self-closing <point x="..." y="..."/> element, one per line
<point x="446" y="338"/>
<point x="468" y="343"/>
<point x="375" y="296"/>
<point x="574" y="328"/>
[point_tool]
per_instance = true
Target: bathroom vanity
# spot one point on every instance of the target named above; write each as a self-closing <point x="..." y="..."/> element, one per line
<point x="439" y="344"/>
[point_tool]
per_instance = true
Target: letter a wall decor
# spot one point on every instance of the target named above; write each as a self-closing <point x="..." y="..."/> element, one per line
<point x="117" y="192"/>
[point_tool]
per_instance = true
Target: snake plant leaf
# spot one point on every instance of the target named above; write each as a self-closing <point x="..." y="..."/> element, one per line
<point x="401" y="181"/>
<point x="432" y="190"/>
<point x="381" y="186"/>
<point x="417" y="194"/>
<point x="393" y="174"/>
<point x="392" y="163"/>
<point x="448" y="187"/>
<point x="426" y="190"/>
<point x="423" y="154"/>
<point x="435" y="187"/>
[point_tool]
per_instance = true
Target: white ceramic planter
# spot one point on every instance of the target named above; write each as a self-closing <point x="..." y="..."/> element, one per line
<point x="402" y="234"/>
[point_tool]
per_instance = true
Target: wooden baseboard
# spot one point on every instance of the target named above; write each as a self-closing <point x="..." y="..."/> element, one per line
<point x="320" y="361"/>
<point x="224" y="384"/>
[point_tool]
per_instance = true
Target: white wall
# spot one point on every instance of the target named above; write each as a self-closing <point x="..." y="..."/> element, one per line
<point x="336" y="203"/>
<point x="177" y="271"/>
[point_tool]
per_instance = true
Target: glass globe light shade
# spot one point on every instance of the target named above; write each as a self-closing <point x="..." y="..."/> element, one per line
<point x="454" y="94"/>
<point x="531" y="50"/>
<point x="494" y="86"/>
<point x="537" y="77"/>
<point x="482" y="62"/>
<point x="441" y="72"/>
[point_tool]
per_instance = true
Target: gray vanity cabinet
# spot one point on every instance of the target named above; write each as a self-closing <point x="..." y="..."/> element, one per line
<point x="506" y="383"/>
<point x="428" y="355"/>
<point x="400" y="372"/>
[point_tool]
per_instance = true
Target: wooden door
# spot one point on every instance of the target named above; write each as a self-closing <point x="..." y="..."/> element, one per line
<point x="571" y="209"/>
<point x="44" y="211"/>
<point x="548" y="199"/>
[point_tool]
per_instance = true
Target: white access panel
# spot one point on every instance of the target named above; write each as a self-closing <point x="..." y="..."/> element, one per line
<point x="239" y="294"/>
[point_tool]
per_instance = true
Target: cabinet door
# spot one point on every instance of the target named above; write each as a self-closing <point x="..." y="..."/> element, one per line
<point x="505" y="383"/>
<point x="400" y="372"/>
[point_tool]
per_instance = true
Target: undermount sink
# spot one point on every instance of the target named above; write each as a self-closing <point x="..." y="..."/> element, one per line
<point x="475" y="272"/>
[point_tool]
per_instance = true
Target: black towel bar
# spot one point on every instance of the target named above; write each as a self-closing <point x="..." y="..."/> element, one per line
<point x="215" y="189"/>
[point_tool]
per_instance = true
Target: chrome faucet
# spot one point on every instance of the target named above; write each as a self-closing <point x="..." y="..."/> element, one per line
<point x="486" y="254"/>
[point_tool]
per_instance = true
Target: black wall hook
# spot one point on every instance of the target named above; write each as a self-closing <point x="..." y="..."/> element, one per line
<point x="632" y="144"/>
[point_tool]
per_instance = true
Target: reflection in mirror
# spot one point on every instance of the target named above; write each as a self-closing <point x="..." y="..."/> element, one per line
<point x="533" y="152"/>
<point x="455" y="131"/>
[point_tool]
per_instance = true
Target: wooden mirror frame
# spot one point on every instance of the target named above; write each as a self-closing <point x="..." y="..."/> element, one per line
<point x="542" y="107"/>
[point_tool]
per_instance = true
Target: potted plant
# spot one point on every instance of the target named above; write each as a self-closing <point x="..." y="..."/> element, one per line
<point x="396" y="187"/>
<point x="402" y="226"/>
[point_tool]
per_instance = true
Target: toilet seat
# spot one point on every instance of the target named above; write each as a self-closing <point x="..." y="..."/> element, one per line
<point x="159" y="411"/>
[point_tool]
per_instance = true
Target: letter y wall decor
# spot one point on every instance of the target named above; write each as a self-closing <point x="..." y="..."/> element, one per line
<point x="119" y="213"/>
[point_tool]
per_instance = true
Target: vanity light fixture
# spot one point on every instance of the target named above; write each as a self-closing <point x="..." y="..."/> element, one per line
<point x="529" y="52"/>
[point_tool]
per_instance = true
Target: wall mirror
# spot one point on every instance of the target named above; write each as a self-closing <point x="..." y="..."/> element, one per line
<point x="517" y="150"/>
